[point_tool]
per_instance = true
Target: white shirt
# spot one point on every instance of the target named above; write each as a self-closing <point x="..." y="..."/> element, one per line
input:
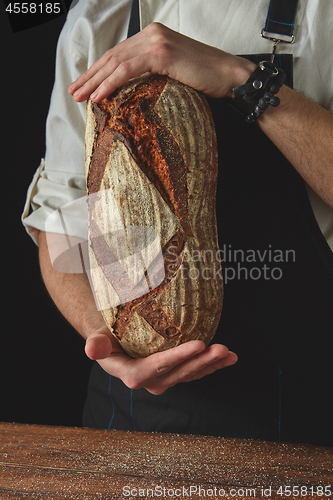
<point x="94" y="26"/>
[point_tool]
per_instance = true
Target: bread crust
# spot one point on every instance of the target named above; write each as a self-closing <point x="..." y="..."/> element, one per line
<point x="151" y="164"/>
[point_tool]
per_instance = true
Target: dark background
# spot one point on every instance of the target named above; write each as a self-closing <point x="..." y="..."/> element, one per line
<point x="43" y="368"/>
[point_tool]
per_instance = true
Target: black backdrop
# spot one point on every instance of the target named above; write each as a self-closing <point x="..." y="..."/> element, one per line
<point x="43" y="368"/>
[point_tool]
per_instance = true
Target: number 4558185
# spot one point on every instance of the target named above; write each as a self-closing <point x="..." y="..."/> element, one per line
<point x="301" y="491"/>
<point x="33" y="8"/>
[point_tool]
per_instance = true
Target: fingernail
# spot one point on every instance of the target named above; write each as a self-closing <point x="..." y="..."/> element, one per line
<point x="77" y="92"/>
<point x="94" y="95"/>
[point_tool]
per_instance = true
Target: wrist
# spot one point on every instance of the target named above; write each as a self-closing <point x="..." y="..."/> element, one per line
<point x="241" y="69"/>
<point x="258" y="93"/>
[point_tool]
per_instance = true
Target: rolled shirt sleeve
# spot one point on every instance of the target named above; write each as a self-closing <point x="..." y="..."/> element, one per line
<point x="89" y="31"/>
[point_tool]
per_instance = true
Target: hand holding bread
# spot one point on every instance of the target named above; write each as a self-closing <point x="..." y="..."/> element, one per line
<point x="158" y="49"/>
<point x="156" y="373"/>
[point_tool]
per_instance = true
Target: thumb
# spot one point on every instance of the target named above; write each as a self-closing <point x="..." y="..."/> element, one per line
<point x="98" y="345"/>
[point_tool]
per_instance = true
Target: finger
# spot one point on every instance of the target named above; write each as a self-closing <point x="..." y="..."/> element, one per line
<point x="229" y="360"/>
<point x="98" y="346"/>
<point x="164" y="362"/>
<point x="111" y="75"/>
<point x="86" y="76"/>
<point x="100" y="63"/>
<point x="138" y="373"/>
<point x="211" y="359"/>
<point x="124" y="71"/>
<point x="122" y="51"/>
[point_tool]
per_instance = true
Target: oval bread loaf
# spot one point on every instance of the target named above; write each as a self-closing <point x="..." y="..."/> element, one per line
<point x="151" y="168"/>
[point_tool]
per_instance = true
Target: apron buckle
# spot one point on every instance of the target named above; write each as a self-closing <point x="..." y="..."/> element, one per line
<point x="276" y="41"/>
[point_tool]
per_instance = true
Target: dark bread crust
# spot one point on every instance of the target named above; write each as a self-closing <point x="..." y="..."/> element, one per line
<point x="131" y="118"/>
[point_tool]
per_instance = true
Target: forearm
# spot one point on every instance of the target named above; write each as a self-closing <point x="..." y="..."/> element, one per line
<point x="71" y="293"/>
<point x="303" y="131"/>
<point x="73" y="296"/>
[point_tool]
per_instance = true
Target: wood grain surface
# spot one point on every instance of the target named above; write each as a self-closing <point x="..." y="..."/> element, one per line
<point x="38" y="462"/>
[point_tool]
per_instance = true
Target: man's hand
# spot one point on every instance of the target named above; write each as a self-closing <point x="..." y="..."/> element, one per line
<point x="73" y="296"/>
<point x="301" y="129"/>
<point x="158" y="372"/>
<point x="158" y="49"/>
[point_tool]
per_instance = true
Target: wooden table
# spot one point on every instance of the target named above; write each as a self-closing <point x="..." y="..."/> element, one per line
<point x="40" y="462"/>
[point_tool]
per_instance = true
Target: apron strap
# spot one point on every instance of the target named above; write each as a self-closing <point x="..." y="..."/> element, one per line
<point x="281" y="17"/>
<point x="134" y="23"/>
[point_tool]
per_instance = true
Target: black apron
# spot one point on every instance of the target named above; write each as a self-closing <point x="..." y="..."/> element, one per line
<point x="278" y="274"/>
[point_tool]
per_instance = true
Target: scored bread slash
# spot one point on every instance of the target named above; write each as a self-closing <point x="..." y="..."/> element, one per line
<point x="151" y="170"/>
